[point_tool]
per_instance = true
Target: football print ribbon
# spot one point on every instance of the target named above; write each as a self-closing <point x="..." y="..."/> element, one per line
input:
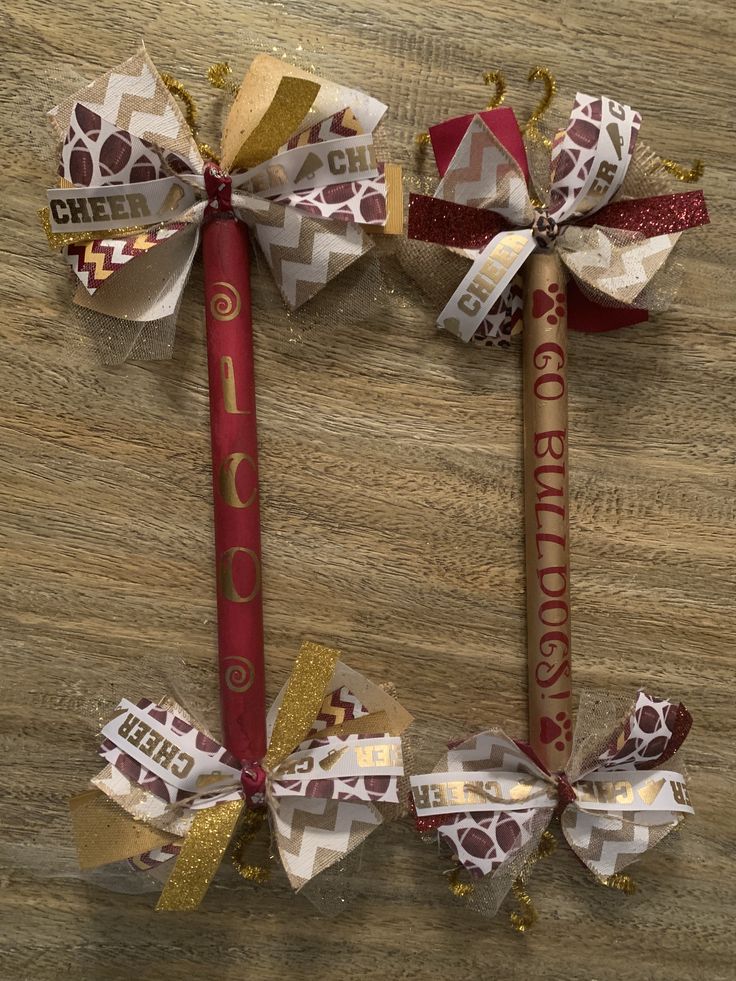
<point x="491" y="801"/>
<point x="329" y="778"/>
<point x="613" y="245"/>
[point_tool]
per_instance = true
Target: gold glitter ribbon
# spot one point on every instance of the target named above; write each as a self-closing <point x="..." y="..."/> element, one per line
<point x="291" y="103"/>
<point x="305" y="690"/>
<point x="200" y="856"/>
<point x="214" y="827"/>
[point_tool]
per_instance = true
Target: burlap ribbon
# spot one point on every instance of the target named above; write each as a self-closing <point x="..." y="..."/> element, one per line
<point x="491" y="801"/>
<point x="613" y="247"/>
<point x="132" y="197"/>
<point x="172" y="795"/>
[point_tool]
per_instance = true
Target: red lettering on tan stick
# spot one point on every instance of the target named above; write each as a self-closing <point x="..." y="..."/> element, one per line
<point x="545" y="491"/>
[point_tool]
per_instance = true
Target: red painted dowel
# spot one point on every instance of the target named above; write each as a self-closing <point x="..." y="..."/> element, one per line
<point x="235" y="486"/>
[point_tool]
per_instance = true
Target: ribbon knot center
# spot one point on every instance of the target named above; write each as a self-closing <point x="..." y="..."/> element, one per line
<point x="565" y="793"/>
<point x="253" y="781"/>
<point x="219" y="189"/>
<point x="544" y="229"/>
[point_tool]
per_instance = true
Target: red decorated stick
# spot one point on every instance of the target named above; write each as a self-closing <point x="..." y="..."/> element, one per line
<point x="234" y="473"/>
<point x="547" y="510"/>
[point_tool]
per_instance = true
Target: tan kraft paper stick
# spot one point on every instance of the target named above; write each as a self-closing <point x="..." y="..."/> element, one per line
<point x="546" y="510"/>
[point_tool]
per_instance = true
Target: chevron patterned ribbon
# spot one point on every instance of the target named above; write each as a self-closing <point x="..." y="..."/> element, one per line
<point x="490" y="800"/>
<point x="612" y="246"/>
<point x="330" y="777"/>
<point x="131" y="185"/>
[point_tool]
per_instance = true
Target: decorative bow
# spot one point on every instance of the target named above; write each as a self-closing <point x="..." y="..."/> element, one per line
<point x="613" y="241"/>
<point x="491" y="801"/>
<point x="172" y="793"/>
<point x="135" y="189"/>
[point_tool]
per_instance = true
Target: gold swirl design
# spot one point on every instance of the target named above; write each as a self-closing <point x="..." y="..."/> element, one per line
<point x="240" y="676"/>
<point x="225" y="305"/>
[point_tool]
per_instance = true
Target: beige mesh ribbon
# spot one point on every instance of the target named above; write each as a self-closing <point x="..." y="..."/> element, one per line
<point x="332" y="772"/>
<point x="308" y="206"/>
<point x="491" y="803"/>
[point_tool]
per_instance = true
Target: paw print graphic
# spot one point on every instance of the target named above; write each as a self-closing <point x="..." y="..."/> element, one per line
<point x="549" y="303"/>
<point x="557" y="730"/>
<point x="565" y="723"/>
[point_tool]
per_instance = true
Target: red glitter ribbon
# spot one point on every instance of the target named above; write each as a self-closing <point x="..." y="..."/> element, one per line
<point x="450" y="224"/>
<point x="664" y="214"/>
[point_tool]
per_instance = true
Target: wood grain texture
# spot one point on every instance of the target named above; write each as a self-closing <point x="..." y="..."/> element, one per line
<point x="392" y="509"/>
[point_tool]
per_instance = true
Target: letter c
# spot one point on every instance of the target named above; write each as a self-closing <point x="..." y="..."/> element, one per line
<point x="54" y="205"/>
<point x="333" y="158"/>
<point x="182" y="765"/>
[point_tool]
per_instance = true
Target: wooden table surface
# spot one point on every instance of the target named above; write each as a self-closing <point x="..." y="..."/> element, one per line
<point x="392" y="510"/>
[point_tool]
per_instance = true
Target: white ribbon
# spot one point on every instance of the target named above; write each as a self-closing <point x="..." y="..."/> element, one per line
<point x="118" y="206"/>
<point x="187" y="760"/>
<point x="602" y="790"/>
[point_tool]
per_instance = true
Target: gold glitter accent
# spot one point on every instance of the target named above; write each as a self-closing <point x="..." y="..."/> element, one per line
<point x="498" y="79"/>
<point x="620" y="880"/>
<point x="524" y="920"/>
<point x="422" y="140"/>
<point x="59" y="240"/>
<point x="200" y="856"/>
<point x="219" y="76"/>
<point x="457" y="887"/>
<point x="531" y="128"/>
<point x="252" y="823"/>
<point x="190" y="113"/>
<point x="687" y="176"/>
<point x="305" y="690"/>
<point x="291" y="103"/>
